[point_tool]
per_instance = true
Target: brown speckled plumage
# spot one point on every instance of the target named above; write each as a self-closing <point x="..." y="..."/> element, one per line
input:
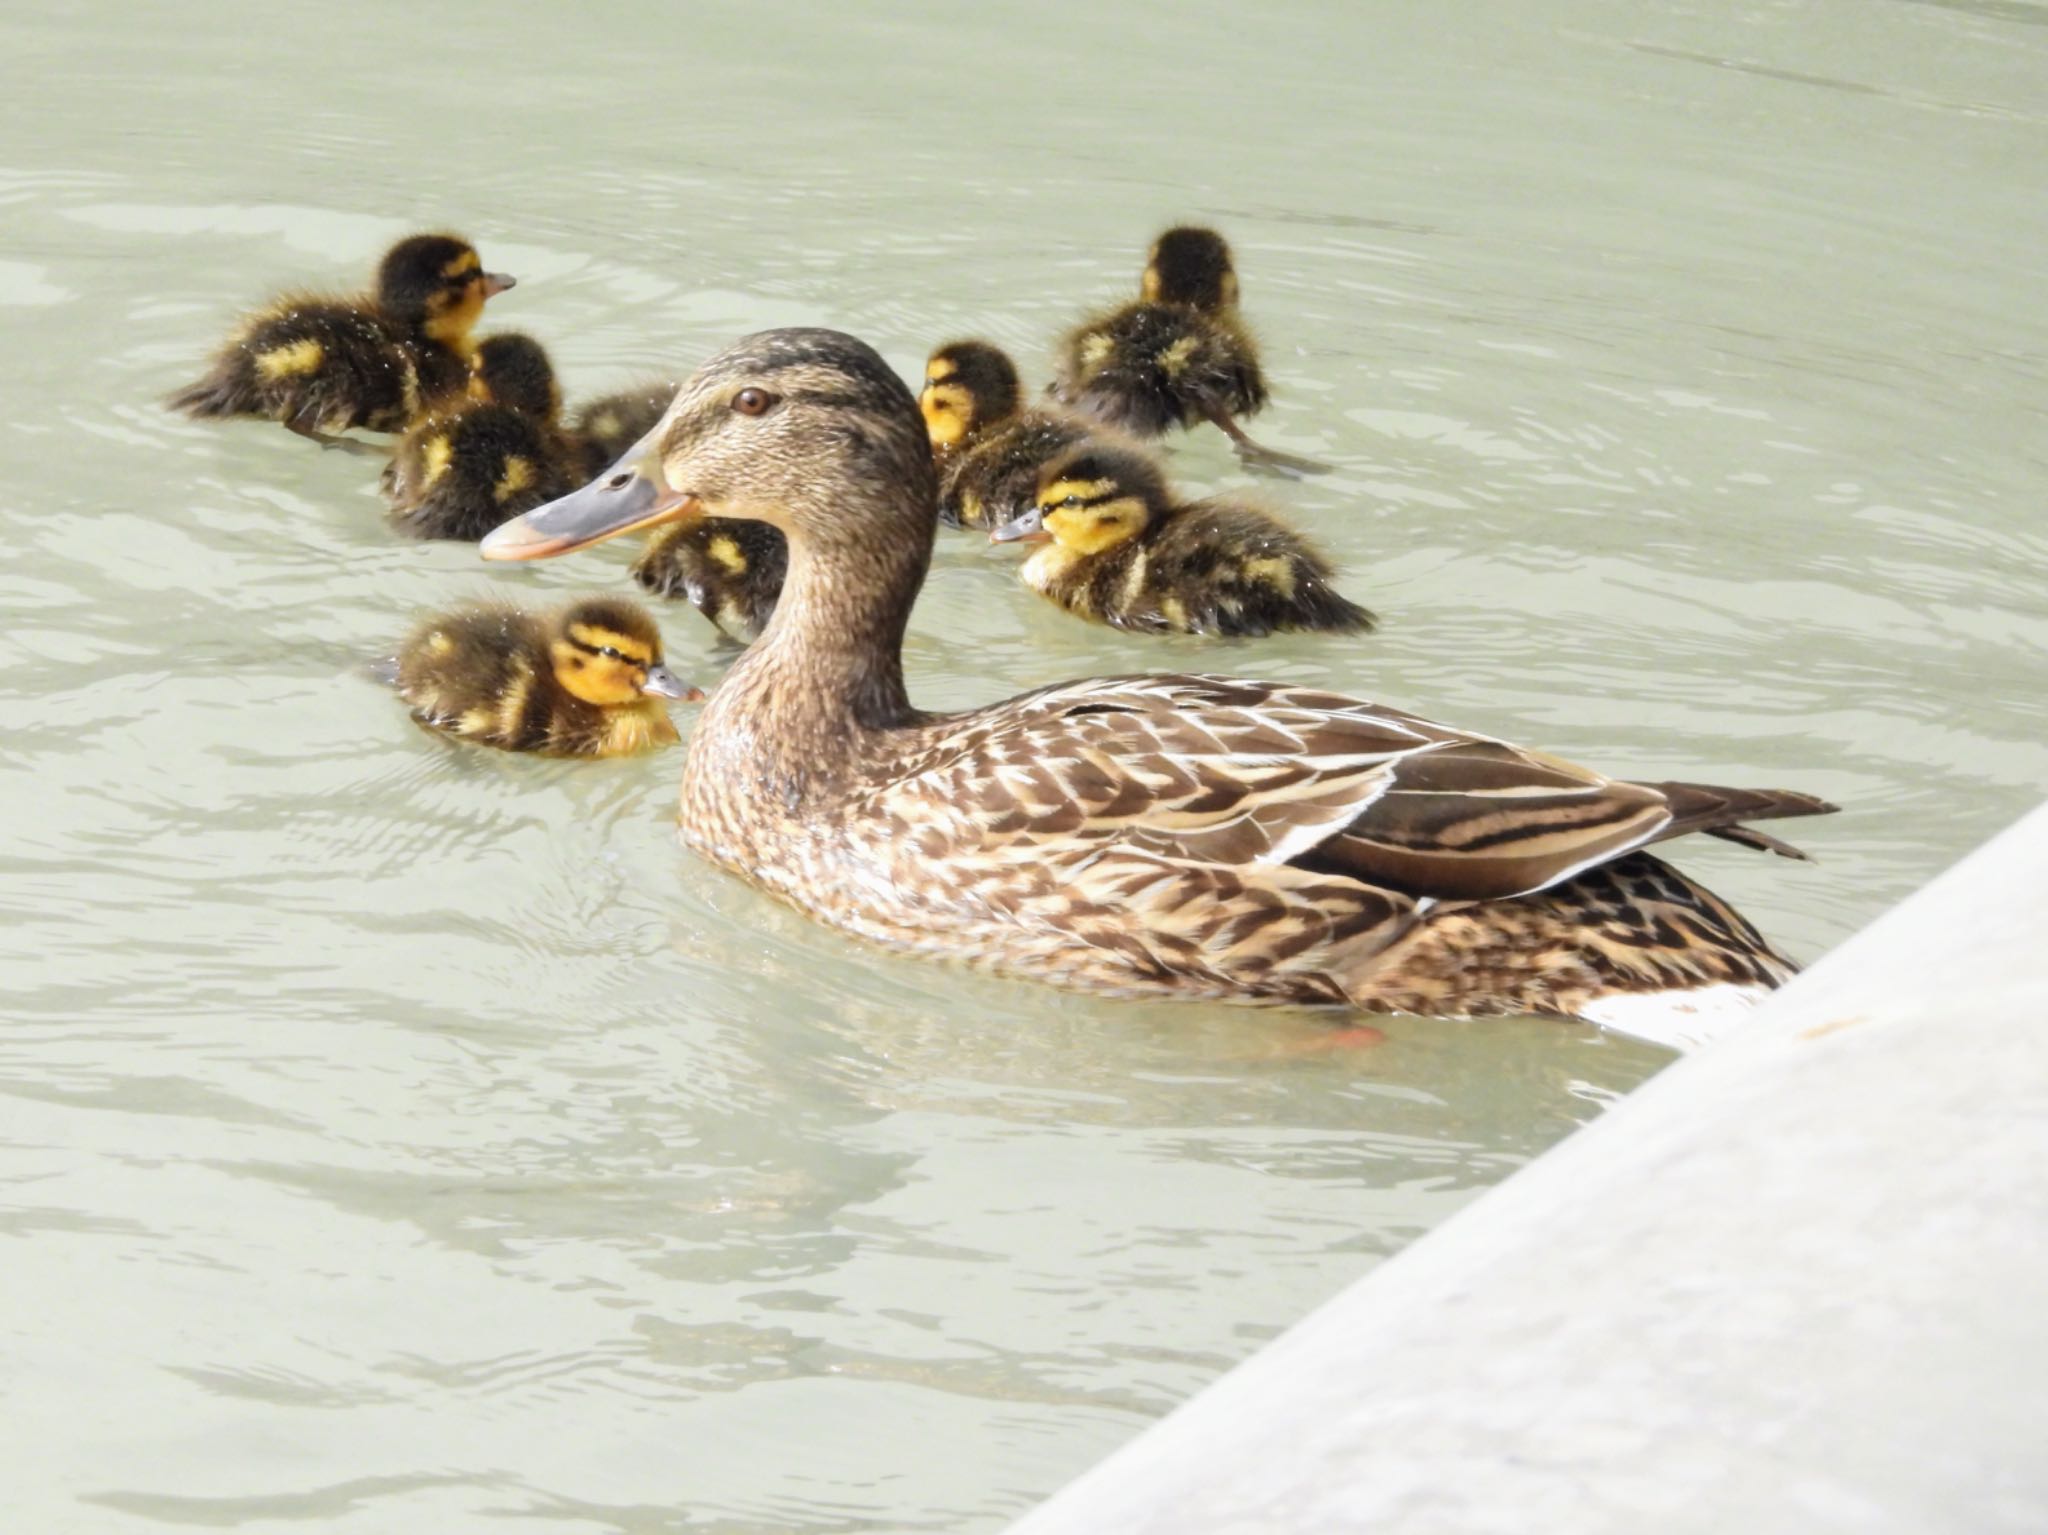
<point x="1160" y="835"/>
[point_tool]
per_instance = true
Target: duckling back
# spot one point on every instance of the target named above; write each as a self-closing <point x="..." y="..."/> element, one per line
<point x="461" y="474"/>
<point x="479" y="672"/>
<point x="1208" y="567"/>
<point x="1223" y="567"/>
<point x="317" y="365"/>
<point x="612" y="423"/>
<point x="1148" y="367"/>
<point x="730" y="569"/>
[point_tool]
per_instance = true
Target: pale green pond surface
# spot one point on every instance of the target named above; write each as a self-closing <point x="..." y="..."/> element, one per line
<point x="405" y="1138"/>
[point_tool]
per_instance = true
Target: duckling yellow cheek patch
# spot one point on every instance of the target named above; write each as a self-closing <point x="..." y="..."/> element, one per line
<point x="945" y="414"/>
<point x="468" y="261"/>
<point x="289" y="360"/>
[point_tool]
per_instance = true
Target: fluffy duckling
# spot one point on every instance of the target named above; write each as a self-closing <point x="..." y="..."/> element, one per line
<point x="988" y="446"/>
<point x="584" y="681"/>
<point x="730" y="570"/>
<point x="607" y="426"/>
<point x="490" y="457"/>
<point x="378" y="361"/>
<point x="1176" y="356"/>
<point x="1124" y="552"/>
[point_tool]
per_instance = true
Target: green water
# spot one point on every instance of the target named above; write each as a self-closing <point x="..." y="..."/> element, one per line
<point x="400" y="1138"/>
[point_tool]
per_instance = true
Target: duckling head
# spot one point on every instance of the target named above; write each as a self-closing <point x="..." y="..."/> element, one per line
<point x="808" y="430"/>
<point x="1190" y="265"/>
<point x="607" y="651"/>
<point x="1092" y="499"/>
<point x="436" y="284"/>
<point x="513" y="371"/>
<point x="969" y="386"/>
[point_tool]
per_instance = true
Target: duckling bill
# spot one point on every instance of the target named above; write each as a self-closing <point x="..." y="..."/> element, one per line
<point x="584" y="681"/>
<point x="1117" y="547"/>
<point x="323" y="365"/>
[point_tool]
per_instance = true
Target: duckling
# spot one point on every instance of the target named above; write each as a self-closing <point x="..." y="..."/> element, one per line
<point x="489" y="457"/>
<point x="607" y="426"/>
<point x="988" y="446"/>
<point x="1178" y="355"/>
<point x="583" y="681"/>
<point x="1125" y="552"/>
<point x="730" y="570"/>
<point x="378" y="361"/>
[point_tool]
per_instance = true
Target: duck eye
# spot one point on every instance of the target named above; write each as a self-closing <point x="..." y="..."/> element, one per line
<point x="752" y="402"/>
<point x="1071" y="501"/>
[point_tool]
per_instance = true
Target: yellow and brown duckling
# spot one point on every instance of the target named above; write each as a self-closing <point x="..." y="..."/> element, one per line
<point x="607" y="426"/>
<point x="379" y="361"/>
<point x="988" y="445"/>
<point x="584" y="681"/>
<point x="1119" y="548"/>
<point x="490" y="456"/>
<point x="1176" y="356"/>
<point x="729" y="570"/>
<point x="1152" y="836"/>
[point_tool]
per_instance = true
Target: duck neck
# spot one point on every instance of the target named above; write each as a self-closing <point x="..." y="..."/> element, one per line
<point x="827" y="673"/>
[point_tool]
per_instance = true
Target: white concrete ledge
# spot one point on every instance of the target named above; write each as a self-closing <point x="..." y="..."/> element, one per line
<point x="1798" y="1282"/>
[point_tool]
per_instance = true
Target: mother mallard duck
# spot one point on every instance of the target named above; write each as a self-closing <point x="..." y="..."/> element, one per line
<point x="1179" y="836"/>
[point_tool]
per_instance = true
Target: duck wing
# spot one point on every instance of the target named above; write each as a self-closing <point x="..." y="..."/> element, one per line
<point x="1228" y="774"/>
